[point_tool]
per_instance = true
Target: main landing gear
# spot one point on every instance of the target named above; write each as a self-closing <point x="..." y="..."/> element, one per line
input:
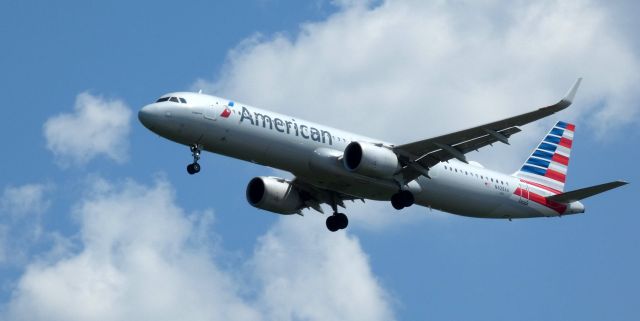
<point x="337" y="221"/>
<point x="194" y="167"/>
<point x="402" y="199"/>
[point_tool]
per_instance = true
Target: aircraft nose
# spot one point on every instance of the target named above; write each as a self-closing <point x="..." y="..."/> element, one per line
<point x="148" y="115"/>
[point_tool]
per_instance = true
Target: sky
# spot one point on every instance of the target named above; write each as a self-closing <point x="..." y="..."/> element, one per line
<point x="100" y="221"/>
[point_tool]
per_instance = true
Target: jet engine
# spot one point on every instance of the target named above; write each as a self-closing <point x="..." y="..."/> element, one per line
<point x="370" y="160"/>
<point x="274" y="195"/>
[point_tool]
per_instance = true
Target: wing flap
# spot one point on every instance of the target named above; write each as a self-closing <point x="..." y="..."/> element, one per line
<point x="583" y="193"/>
<point x="316" y="196"/>
<point x="442" y="155"/>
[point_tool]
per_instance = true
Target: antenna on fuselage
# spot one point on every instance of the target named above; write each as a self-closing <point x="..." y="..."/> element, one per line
<point x="200" y="91"/>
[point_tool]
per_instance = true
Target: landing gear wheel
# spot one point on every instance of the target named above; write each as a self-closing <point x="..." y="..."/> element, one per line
<point x="332" y="223"/>
<point x="193" y="168"/>
<point x="342" y="220"/>
<point x="407" y="198"/>
<point x="402" y="199"/>
<point x="396" y="201"/>
<point x="337" y="221"/>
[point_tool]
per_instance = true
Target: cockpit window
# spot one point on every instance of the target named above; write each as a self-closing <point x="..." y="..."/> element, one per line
<point x="173" y="99"/>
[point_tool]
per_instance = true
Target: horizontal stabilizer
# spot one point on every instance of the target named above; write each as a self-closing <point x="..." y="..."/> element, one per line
<point x="583" y="193"/>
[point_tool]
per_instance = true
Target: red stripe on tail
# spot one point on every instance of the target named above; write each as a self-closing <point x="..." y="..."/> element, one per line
<point x="556" y="175"/>
<point x="565" y="142"/>
<point x="564" y="160"/>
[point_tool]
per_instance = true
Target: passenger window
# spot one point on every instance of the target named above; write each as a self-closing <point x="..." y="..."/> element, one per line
<point x="456" y="170"/>
<point x="182" y="100"/>
<point x="492" y="180"/>
<point x="174" y="99"/>
<point x="481" y="177"/>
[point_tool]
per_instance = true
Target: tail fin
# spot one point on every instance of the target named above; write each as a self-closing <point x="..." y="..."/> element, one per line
<point x="549" y="162"/>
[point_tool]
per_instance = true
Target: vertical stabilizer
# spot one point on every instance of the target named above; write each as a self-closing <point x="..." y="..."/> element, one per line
<point x="548" y="164"/>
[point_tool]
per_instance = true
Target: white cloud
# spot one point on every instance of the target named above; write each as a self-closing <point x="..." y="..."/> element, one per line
<point x="98" y="126"/>
<point x="25" y="199"/>
<point x="21" y="209"/>
<point x="308" y="273"/>
<point x="138" y="262"/>
<point x="351" y="3"/>
<point x="406" y="70"/>
<point x="143" y="258"/>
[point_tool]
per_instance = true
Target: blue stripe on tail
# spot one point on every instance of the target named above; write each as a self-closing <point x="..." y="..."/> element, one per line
<point x="538" y="162"/>
<point x="542" y="154"/>
<point x="534" y="170"/>
<point x="552" y="139"/>
<point x="548" y="147"/>
<point x="557" y="132"/>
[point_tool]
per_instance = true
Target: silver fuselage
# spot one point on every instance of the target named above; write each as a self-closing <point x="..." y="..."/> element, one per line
<point x="313" y="153"/>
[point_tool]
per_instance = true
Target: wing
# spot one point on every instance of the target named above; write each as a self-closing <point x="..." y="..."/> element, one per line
<point x="314" y="196"/>
<point x="419" y="156"/>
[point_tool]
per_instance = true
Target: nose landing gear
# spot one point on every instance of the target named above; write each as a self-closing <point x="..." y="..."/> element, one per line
<point x="194" y="167"/>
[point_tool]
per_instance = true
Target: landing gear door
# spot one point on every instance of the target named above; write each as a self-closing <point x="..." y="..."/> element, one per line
<point x="524" y="194"/>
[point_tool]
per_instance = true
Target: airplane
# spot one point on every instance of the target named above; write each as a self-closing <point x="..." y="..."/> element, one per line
<point x="331" y="166"/>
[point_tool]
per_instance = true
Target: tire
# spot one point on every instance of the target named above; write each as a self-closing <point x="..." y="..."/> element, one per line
<point x="332" y="224"/>
<point x="397" y="202"/>
<point x="342" y="220"/>
<point x="407" y="198"/>
<point x="190" y="169"/>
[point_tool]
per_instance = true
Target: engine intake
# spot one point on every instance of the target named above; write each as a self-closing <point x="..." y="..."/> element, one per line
<point x="370" y="160"/>
<point x="274" y="195"/>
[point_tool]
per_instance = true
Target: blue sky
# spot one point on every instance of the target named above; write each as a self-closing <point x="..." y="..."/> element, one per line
<point x="120" y="230"/>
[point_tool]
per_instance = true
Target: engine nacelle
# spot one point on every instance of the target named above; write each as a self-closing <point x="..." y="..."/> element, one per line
<point x="274" y="195"/>
<point x="370" y="160"/>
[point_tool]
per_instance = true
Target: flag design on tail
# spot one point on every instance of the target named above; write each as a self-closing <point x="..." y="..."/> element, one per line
<point x="547" y="166"/>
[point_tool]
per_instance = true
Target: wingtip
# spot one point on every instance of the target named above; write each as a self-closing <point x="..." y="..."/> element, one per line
<point x="568" y="98"/>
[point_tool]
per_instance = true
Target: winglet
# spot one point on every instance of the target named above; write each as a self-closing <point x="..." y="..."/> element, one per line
<point x="572" y="92"/>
